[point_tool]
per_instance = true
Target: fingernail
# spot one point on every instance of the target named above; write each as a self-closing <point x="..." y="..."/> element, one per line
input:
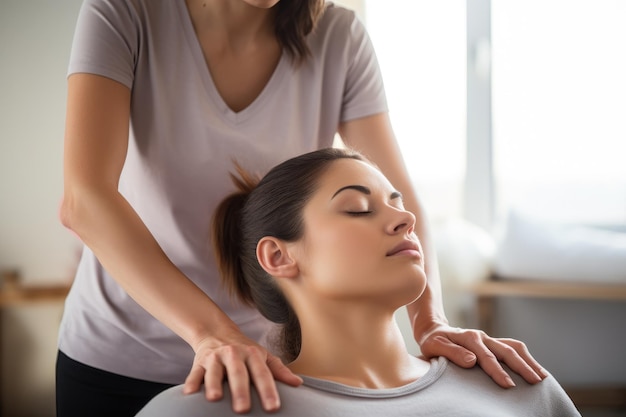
<point x="543" y="373"/>
<point x="272" y="405"/>
<point x="240" y="408"/>
<point x="510" y="382"/>
<point x="469" y="358"/>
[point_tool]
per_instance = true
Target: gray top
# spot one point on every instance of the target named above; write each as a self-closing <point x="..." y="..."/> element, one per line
<point x="183" y="139"/>
<point x="445" y="390"/>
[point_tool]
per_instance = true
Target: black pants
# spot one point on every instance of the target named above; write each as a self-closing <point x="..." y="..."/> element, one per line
<point x="85" y="391"/>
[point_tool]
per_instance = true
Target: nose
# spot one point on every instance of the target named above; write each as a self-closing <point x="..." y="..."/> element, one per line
<point x="401" y="221"/>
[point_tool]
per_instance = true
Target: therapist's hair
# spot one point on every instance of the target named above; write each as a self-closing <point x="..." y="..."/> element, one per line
<point x="295" y="19"/>
<point x="272" y="206"/>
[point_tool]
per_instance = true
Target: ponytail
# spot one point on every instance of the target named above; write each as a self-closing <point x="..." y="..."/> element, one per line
<point x="227" y="236"/>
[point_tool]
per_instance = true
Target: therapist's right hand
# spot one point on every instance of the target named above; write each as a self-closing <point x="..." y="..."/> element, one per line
<point x="244" y="363"/>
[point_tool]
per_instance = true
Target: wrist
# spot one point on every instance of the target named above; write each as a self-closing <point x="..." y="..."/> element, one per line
<point x="426" y="317"/>
<point x="423" y="328"/>
<point x="214" y="335"/>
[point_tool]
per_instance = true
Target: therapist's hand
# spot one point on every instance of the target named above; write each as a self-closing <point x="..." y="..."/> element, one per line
<point x="467" y="348"/>
<point x="244" y="363"/>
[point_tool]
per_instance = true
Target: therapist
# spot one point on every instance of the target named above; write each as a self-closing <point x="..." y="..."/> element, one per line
<point x="162" y="96"/>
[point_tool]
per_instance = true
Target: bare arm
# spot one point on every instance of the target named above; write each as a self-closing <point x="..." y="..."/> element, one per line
<point x="374" y="137"/>
<point x="96" y="142"/>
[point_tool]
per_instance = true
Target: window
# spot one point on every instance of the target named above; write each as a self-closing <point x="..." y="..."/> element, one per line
<point x="421" y="49"/>
<point x="558" y="100"/>
<point x="559" y="109"/>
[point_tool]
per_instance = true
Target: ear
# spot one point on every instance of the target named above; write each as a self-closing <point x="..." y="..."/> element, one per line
<point x="275" y="259"/>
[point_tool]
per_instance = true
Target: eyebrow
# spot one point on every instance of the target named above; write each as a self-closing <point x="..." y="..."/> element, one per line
<point x="363" y="189"/>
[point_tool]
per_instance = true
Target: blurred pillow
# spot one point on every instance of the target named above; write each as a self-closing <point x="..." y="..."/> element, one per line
<point x="465" y="252"/>
<point x="532" y="249"/>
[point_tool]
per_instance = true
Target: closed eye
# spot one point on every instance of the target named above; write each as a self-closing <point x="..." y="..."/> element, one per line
<point x="359" y="213"/>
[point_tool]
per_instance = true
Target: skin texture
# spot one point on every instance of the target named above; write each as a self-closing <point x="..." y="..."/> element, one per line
<point x="96" y="141"/>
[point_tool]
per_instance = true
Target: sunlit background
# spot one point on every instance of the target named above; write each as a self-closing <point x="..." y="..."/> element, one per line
<point x="558" y="89"/>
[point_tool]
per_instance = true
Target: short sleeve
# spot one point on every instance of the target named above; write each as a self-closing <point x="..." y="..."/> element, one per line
<point x="364" y="92"/>
<point x="106" y="40"/>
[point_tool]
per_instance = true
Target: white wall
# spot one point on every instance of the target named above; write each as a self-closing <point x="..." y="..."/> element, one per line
<point x="35" y="39"/>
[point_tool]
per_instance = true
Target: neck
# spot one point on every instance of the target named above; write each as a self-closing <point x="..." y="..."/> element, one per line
<point x="232" y="23"/>
<point x="362" y="348"/>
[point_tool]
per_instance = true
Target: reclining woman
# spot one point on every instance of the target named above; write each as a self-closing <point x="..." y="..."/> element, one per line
<point x="323" y="246"/>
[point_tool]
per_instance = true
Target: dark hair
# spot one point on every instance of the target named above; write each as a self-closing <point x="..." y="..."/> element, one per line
<point x="269" y="207"/>
<point x="295" y="19"/>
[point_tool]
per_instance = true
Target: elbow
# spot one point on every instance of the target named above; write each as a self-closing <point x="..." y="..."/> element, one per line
<point x="67" y="212"/>
<point x="83" y="206"/>
<point x="75" y="206"/>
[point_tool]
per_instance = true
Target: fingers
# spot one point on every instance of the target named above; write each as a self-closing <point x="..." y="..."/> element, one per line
<point x="440" y="345"/>
<point x="516" y="355"/>
<point x="213" y="377"/>
<point x="512" y="352"/>
<point x="194" y="380"/>
<point x="241" y="364"/>
<point x="488" y="361"/>
<point x="263" y="380"/>
<point x="467" y="347"/>
<point x="234" y="360"/>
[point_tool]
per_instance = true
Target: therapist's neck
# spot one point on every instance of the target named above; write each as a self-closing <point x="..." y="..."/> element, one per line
<point x="361" y="346"/>
<point x="237" y="21"/>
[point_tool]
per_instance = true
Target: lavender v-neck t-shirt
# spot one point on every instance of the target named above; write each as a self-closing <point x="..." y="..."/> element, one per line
<point x="182" y="142"/>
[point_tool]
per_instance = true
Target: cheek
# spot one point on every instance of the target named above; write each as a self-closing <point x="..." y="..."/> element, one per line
<point x="339" y="244"/>
<point x="340" y="255"/>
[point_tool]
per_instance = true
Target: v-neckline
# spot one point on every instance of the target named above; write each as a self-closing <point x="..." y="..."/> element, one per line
<point x="203" y="68"/>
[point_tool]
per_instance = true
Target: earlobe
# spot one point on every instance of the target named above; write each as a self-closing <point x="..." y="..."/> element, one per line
<point x="275" y="259"/>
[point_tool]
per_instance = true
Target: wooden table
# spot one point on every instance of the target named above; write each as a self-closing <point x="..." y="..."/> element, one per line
<point x="487" y="292"/>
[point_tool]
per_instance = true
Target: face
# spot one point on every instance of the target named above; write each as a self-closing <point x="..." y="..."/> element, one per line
<point x="359" y="241"/>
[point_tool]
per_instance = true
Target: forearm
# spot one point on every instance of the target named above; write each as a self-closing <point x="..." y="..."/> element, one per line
<point x="110" y="227"/>
<point x="96" y="143"/>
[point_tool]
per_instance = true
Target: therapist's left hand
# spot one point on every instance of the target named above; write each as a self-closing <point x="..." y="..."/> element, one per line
<point x="467" y="347"/>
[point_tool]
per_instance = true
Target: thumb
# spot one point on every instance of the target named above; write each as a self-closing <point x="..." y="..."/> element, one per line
<point x="442" y="346"/>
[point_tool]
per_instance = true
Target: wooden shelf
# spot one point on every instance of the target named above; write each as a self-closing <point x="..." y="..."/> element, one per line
<point x="487" y="292"/>
<point x="14" y="293"/>
<point x="542" y="289"/>
<point x="26" y="295"/>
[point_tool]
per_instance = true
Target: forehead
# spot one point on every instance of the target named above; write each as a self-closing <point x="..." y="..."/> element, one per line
<point x="344" y="172"/>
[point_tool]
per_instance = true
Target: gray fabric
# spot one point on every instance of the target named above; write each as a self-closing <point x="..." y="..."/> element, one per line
<point x="446" y="391"/>
<point x="183" y="140"/>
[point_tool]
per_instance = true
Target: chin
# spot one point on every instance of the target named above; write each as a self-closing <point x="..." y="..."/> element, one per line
<point x="262" y="4"/>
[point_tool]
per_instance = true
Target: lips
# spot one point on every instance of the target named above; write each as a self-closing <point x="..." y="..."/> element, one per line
<point x="408" y="247"/>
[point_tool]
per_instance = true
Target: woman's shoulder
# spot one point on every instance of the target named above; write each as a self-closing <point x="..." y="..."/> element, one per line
<point x="337" y="17"/>
<point x="547" y="398"/>
<point x="137" y="9"/>
<point x="173" y="402"/>
<point x="339" y="30"/>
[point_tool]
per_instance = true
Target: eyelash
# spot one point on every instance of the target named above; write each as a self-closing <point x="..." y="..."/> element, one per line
<point x="359" y="213"/>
